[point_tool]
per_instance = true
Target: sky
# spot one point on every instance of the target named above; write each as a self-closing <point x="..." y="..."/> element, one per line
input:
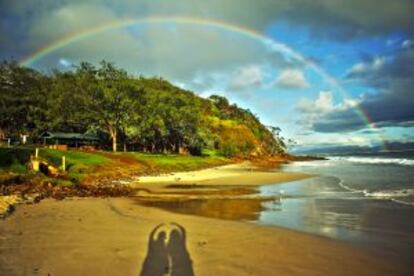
<point x="329" y="73"/>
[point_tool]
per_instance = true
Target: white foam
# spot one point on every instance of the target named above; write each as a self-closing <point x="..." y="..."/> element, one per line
<point x="349" y="189"/>
<point x="374" y="160"/>
<point x="315" y="163"/>
<point x="393" y="195"/>
<point x="403" y="202"/>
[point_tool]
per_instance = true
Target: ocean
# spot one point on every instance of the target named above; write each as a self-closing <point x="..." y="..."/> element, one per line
<point x="364" y="199"/>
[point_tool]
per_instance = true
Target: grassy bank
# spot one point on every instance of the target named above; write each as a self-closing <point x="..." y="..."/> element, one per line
<point x="87" y="167"/>
<point x="13" y="164"/>
<point x="174" y="163"/>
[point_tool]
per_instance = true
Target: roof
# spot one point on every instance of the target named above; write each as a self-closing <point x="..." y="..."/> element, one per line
<point x="68" y="136"/>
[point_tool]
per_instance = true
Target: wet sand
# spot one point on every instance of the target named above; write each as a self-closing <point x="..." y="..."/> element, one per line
<point x="93" y="236"/>
<point x="244" y="174"/>
<point x="110" y="237"/>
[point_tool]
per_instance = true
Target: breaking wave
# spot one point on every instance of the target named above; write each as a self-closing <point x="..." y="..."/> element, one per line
<point x="402" y="196"/>
<point x="375" y="160"/>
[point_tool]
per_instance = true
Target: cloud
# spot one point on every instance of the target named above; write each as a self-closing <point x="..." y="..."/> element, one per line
<point x="315" y="111"/>
<point x="391" y="106"/>
<point x="354" y="18"/>
<point x="361" y="69"/>
<point x="67" y="19"/>
<point x="246" y="77"/>
<point x="383" y="72"/>
<point x="173" y="49"/>
<point x="345" y="148"/>
<point x="407" y="43"/>
<point x="327" y="142"/>
<point x="350" y="139"/>
<point x="64" y="62"/>
<point x="322" y="105"/>
<point x="325" y="18"/>
<point x="202" y="58"/>
<point x="292" y="79"/>
<point x="177" y="52"/>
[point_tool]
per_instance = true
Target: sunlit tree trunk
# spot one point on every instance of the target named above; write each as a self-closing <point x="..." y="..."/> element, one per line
<point x="113" y="132"/>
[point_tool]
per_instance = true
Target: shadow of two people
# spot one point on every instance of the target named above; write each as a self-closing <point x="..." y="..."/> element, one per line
<point x="167" y="258"/>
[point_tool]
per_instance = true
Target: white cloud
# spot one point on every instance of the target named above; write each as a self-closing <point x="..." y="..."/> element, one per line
<point x="362" y="68"/>
<point x="322" y="105"/>
<point x="246" y="77"/>
<point x="314" y="110"/>
<point x="64" y="62"/>
<point x="407" y="43"/>
<point x="292" y="79"/>
<point x="358" y="68"/>
<point x="332" y="139"/>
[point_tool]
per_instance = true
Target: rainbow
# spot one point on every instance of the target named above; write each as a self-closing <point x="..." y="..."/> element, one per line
<point x="225" y="26"/>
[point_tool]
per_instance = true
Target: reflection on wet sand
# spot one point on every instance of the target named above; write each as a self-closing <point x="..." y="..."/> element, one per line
<point x="224" y="202"/>
<point x="234" y="209"/>
<point x="315" y="205"/>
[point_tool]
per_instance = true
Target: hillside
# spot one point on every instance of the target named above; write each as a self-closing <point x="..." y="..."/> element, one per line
<point x="135" y="113"/>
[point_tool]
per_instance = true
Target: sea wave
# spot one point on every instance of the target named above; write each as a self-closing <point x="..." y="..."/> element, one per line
<point x="342" y="184"/>
<point x="402" y="196"/>
<point x="391" y="193"/>
<point x="374" y="160"/>
<point x="316" y="163"/>
<point x="403" y="202"/>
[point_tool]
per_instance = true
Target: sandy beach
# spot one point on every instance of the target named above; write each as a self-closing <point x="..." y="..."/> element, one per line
<point x="95" y="236"/>
<point x="110" y="237"/>
<point x="245" y="174"/>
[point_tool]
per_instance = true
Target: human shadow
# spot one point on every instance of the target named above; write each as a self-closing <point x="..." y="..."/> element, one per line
<point x="167" y="257"/>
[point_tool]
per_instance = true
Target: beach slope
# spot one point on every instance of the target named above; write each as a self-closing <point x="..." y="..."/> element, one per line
<point x="94" y="236"/>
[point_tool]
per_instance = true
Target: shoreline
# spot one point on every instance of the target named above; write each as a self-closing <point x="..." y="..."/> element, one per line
<point x="225" y="192"/>
<point x="238" y="174"/>
<point x="235" y="175"/>
<point x="84" y="236"/>
<point x="52" y="236"/>
<point x="11" y="194"/>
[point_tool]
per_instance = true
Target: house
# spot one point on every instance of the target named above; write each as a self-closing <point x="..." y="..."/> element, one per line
<point x="63" y="140"/>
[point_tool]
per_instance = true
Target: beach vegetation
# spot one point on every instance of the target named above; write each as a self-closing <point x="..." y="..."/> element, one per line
<point x="135" y="113"/>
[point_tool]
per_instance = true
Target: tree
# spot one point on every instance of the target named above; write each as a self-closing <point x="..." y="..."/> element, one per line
<point x="22" y="99"/>
<point x="279" y="145"/>
<point x="66" y="104"/>
<point x="147" y="114"/>
<point x="108" y="93"/>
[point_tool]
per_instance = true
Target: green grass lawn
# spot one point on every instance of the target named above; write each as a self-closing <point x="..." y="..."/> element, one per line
<point x="74" y="159"/>
<point x="174" y="162"/>
<point x="14" y="160"/>
<point x="17" y="157"/>
<point x="79" y="164"/>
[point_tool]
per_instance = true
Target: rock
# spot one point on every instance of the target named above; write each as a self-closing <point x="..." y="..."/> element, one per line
<point x="52" y="171"/>
<point x="6" y="204"/>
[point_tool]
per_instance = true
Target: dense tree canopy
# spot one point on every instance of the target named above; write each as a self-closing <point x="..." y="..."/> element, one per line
<point x="146" y="114"/>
